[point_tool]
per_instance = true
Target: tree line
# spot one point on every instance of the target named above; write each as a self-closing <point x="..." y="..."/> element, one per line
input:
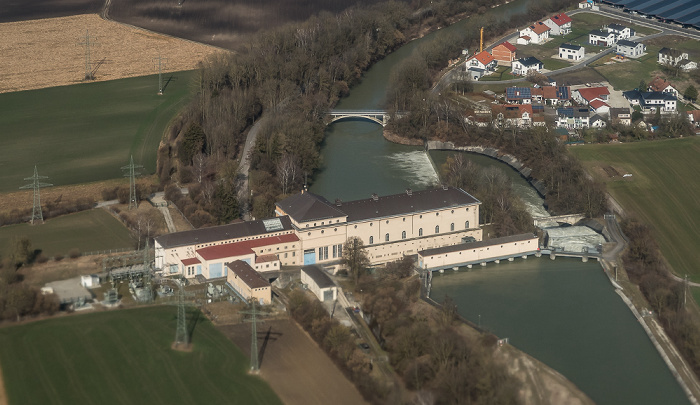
<point x="294" y="74"/>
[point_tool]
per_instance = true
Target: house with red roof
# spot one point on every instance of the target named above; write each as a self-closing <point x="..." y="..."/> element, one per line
<point x="482" y="60"/>
<point x="537" y="33"/>
<point x="559" y="24"/>
<point x="585" y="95"/>
<point x="517" y="115"/>
<point x="662" y="86"/>
<point x="504" y="53"/>
<point x="600" y="107"/>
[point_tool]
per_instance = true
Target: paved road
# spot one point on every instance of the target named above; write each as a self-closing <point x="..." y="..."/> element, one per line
<point x="666" y="29"/>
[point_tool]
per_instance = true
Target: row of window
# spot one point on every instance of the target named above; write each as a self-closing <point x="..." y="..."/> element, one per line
<point x="420" y="232"/>
<point x="323" y="252"/>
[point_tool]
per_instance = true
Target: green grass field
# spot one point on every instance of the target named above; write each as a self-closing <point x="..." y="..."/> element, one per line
<point x="663" y="192"/>
<point x="86" y="132"/>
<point x="124" y="357"/>
<point x="87" y="230"/>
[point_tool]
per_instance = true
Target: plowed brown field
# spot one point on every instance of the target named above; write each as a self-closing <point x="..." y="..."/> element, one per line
<point x="47" y="53"/>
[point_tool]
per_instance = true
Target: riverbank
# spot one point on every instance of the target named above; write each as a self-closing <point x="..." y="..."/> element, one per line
<point x="539" y="383"/>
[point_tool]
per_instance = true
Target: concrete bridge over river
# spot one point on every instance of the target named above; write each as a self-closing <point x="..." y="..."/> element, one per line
<point x="570" y="219"/>
<point x="380" y="117"/>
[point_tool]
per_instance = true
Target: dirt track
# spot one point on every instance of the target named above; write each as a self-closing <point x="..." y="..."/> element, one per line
<point x="294" y="366"/>
<point x="46" y="53"/>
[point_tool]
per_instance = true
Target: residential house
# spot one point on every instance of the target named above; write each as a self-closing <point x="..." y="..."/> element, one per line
<point x="688" y="65"/>
<point x="599" y="107"/>
<point x="585" y="4"/>
<point x="651" y="101"/>
<point x="620" y="116"/>
<point x="556" y="95"/>
<point x="669" y="56"/>
<point x="663" y="86"/>
<point x="596" y="121"/>
<point x="585" y="95"/>
<point x="559" y="24"/>
<point x="504" y="53"/>
<point x="630" y="49"/>
<point x="694" y="117"/>
<point x="571" y="52"/>
<point x="519" y="95"/>
<point x="482" y="60"/>
<point x="524" y="65"/>
<point x="518" y="115"/>
<point x="620" y="31"/>
<point x="601" y="38"/>
<point x="573" y="117"/>
<point x="537" y="33"/>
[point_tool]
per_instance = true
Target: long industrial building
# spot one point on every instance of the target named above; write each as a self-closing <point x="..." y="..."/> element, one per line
<point x="308" y="229"/>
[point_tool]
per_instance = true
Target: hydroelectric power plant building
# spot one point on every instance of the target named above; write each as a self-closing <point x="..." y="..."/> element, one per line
<point x="309" y="229"/>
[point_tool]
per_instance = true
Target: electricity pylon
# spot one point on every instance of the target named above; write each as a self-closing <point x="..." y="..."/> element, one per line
<point x="88" y="42"/>
<point x="131" y="174"/>
<point x="36" y="185"/>
<point x="160" y="63"/>
<point x="181" y="338"/>
<point x="254" y="356"/>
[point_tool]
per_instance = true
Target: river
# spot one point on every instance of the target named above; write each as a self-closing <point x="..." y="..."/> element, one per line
<point x="563" y="312"/>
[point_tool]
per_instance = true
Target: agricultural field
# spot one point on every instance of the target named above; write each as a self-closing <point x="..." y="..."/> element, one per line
<point x="86" y="132"/>
<point x="124" y="357"/>
<point x="88" y="231"/>
<point x="663" y="191"/>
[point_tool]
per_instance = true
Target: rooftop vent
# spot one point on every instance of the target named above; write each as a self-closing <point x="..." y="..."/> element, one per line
<point x="375" y="197"/>
<point x="338" y="202"/>
<point x="409" y="191"/>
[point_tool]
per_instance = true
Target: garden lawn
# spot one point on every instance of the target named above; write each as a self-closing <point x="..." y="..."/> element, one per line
<point x="124" y="357"/>
<point x="87" y="231"/>
<point x="626" y="75"/>
<point x="86" y="132"/>
<point x="663" y="192"/>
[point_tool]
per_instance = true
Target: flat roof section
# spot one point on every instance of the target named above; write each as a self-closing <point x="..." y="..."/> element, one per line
<point x="477" y="245"/>
<point x="318" y="276"/>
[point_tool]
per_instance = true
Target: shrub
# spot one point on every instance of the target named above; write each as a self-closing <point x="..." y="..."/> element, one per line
<point x="74" y="253"/>
<point x="58" y="257"/>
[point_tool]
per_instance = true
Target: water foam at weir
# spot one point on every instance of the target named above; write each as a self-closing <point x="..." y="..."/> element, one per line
<point x="417" y="167"/>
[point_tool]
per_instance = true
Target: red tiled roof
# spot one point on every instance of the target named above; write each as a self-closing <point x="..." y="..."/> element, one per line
<point x="484" y="57"/>
<point x="536" y="91"/>
<point x="561" y="19"/>
<point x="539" y="28"/>
<point x="188" y="262"/>
<point x="589" y="93"/>
<point x="549" y="92"/>
<point x="506" y="45"/>
<point x="525" y="108"/>
<point x="695" y="114"/>
<point x="596" y="104"/>
<point x="243" y="247"/>
<point x="659" y="84"/>
<point x="526" y="37"/>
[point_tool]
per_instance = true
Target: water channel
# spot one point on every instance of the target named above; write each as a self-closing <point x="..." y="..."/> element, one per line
<point x="563" y="312"/>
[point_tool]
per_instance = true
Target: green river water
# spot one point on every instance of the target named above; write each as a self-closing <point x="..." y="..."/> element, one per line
<point x="563" y="312"/>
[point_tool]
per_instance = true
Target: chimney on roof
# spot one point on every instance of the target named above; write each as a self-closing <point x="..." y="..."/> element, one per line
<point x="375" y="197"/>
<point x="409" y="191"/>
<point x="338" y="202"/>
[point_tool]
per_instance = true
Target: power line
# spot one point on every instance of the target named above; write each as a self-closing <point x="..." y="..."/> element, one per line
<point x="254" y="355"/>
<point x="36" y="185"/>
<point x="131" y="174"/>
<point x="181" y="338"/>
<point x="160" y="63"/>
<point x="88" y="42"/>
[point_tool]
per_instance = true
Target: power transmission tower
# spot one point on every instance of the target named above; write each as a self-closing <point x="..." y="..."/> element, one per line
<point x="88" y="42"/>
<point x="254" y="356"/>
<point x="147" y="272"/>
<point x="131" y="174"/>
<point x="36" y="185"/>
<point x="160" y="63"/>
<point x="181" y="338"/>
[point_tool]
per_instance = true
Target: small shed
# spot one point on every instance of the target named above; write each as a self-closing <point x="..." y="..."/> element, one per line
<point x="90" y="281"/>
<point x="248" y="283"/>
<point x="319" y="283"/>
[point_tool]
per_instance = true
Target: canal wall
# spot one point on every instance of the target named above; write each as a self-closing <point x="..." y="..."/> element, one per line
<point x="493" y="153"/>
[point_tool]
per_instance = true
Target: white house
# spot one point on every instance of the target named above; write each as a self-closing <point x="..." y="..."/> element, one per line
<point x="559" y="24"/>
<point x="318" y="282"/>
<point x="523" y="65"/>
<point x="688" y="65"/>
<point x="663" y="86"/>
<point x="669" y="56"/>
<point x="596" y="121"/>
<point x="481" y="64"/>
<point x="630" y="49"/>
<point x="651" y="101"/>
<point x="601" y="38"/>
<point x="621" y="116"/>
<point x="620" y="31"/>
<point x="571" y="52"/>
<point x="537" y="33"/>
<point x="573" y="118"/>
<point x="599" y="107"/>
